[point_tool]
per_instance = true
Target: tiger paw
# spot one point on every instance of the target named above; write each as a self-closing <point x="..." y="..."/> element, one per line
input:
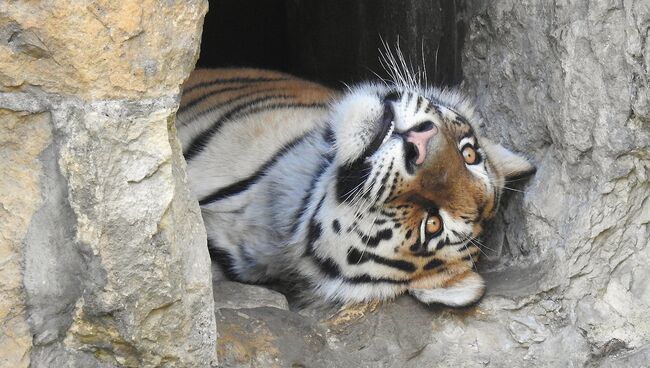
<point x="461" y="293"/>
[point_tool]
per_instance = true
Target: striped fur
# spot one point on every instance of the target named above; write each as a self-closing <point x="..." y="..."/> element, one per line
<point x="297" y="182"/>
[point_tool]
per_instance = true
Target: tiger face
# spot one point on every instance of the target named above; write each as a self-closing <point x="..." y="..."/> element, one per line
<point x="413" y="184"/>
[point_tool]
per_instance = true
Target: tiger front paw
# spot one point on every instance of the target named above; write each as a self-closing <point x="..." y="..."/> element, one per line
<point x="460" y="293"/>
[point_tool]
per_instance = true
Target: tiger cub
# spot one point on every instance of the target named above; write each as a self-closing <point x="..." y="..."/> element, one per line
<point x="364" y="194"/>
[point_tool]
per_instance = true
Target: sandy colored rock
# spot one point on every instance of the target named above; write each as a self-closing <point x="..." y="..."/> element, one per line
<point x="23" y="137"/>
<point x="99" y="48"/>
<point x="103" y="258"/>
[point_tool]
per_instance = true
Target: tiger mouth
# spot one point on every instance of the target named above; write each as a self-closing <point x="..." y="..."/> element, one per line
<point x="386" y="130"/>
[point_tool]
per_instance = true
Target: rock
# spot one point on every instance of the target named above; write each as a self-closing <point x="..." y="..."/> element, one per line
<point x="271" y="337"/>
<point x="23" y="137"/>
<point x="99" y="48"/>
<point x="234" y="295"/>
<point x="569" y="84"/>
<point x="103" y="258"/>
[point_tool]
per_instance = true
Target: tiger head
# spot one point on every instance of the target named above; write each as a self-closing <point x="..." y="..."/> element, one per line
<point x="414" y="184"/>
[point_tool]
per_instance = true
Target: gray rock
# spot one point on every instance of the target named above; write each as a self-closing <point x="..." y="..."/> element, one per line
<point x="271" y="337"/>
<point x="569" y="84"/>
<point x="234" y="295"/>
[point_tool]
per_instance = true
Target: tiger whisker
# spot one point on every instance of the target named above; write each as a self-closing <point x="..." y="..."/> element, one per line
<point x="478" y="247"/>
<point x="482" y="244"/>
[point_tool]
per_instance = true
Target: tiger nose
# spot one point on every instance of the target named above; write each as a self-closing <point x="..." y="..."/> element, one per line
<point x="420" y="140"/>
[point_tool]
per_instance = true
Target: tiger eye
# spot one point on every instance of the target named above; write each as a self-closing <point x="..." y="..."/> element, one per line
<point x="470" y="155"/>
<point x="434" y="224"/>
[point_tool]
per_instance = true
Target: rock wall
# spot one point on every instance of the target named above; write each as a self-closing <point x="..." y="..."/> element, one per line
<point x="569" y="82"/>
<point x="103" y="260"/>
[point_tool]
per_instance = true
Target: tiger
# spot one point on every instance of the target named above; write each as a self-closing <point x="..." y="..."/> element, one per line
<point x="361" y="195"/>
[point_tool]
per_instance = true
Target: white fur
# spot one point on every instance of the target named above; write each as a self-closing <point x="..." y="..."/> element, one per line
<point x="467" y="291"/>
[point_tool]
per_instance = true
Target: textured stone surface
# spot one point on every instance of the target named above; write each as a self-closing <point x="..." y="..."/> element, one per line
<point x="115" y="262"/>
<point x="570" y="84"/>
<point x="99" y="48"/>
<point x="271" y="337"/>
<point x="23" y="137"/>
<point x="103" y="258"/>
<point x="234" y="295"/>
<point x="567" y="261"/>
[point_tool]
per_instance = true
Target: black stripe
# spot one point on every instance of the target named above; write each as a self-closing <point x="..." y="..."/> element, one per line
<point x="224" y="259"/>
<point x="197" y="144"/>
<point x="315" y="230"/>
<point x="433" y="264"/>
<point x="202" y="98"/>
<point x="350" y="178"/>
<point x="418" y="249"/>
<point x="370" y="183"/>
<point x="329" y="267"/>
<point x="468" y="257"/>
<point x="305" y="199"/>
<point x="393" y="96"/>
<point x="236" y="99"/>
<point x="461" y="119"/>
<point x="325" y="265"/>
<point x="248" y="108"/>
<point x="393" y="187"/>
<point x="357" y="257"/>
<point x="336" y="226"/>
<point x="419" y="104"/>
<point x="328" y="135"/>
<point x="367" y="279"/>
<point x="373" y="241"/>
<point x="382" y="187"/>
<point x="429" y="108"/>
<point x="244" y="184"/>
<point x="232" y="80"/>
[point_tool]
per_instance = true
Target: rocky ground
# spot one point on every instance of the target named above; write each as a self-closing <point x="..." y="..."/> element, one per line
<point x="256" y="329"/>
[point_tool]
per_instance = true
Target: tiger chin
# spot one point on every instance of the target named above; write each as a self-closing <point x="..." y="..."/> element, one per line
<point x="361" y="195"/>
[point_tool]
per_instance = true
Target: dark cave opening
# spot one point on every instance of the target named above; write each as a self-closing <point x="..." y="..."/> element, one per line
<point x="334" y="41"/>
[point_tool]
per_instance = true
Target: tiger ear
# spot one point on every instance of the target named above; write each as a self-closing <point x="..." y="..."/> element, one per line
<point x="506" y="162"/>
